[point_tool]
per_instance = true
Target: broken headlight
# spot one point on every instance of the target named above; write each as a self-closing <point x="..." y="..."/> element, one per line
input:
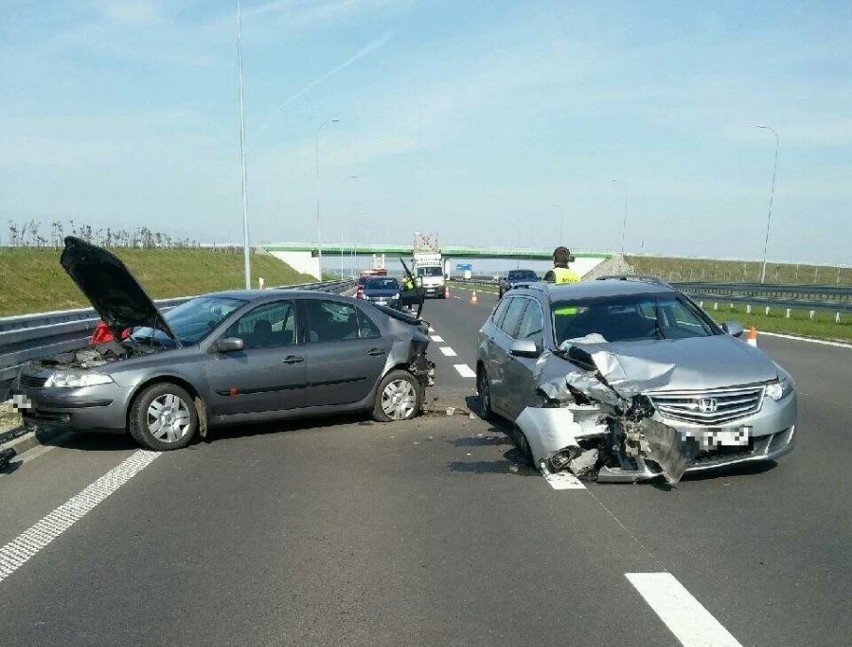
<point x="782" y="388"/>
<point x="62" y="379"/>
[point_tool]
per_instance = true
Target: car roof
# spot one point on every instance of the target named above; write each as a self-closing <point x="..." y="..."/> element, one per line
<point x="605" y="288"/>
<point x="268" y="294"/>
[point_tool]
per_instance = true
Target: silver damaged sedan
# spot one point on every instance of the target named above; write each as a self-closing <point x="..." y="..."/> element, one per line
<point x="224" y="358"/>
<point x="624" y="380"/>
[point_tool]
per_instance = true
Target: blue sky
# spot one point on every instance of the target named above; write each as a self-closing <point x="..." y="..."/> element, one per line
<point x="492" y="123"/>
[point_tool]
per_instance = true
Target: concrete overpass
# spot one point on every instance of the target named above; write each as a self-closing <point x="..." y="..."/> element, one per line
<point x="303" y="257"/>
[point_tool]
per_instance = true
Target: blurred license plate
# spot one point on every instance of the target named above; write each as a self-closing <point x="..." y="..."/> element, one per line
<point x="736" y="437"/>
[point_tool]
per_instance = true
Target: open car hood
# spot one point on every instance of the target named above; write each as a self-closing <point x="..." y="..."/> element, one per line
<point x="110" y="287"/>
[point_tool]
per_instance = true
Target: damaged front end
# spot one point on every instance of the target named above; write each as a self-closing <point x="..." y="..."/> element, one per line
<point x="598" y="425"/>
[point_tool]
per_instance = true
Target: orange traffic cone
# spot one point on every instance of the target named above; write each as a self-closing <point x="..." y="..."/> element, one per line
<point x="473" y="298"/>
<point x="446" y="291"/>
<point x="751" y="338"/>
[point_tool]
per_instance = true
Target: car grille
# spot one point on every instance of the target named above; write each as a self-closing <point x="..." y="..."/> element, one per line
<point x="32" y="381"/>
<point x="712" y="407"/>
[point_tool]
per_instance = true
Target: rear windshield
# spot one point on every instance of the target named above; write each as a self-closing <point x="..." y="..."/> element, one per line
<point x="630" y="318"/>
<point x="381" y="284"/>
<point x="522" y="275"/>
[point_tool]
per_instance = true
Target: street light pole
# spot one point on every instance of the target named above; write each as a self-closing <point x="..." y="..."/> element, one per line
<point x="246" y="253"/>
<point x="771" y="198"/>
<point x="319" y="224"/>
<point x="343" y="223"/>
<point x="623" y="224"/>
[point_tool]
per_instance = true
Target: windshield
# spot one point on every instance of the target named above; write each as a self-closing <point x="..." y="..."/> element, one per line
<point x="629" y="318"/>
<point x="429" y="271"/>
<point x="381" y="284"/>
<point x="192" y="321"/>
<point x="522" y="275"/>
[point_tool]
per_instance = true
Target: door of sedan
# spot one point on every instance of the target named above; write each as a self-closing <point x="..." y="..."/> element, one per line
<point x="269" y="373"/>
<point x="519" y="370"/>
<point x="498" y="359"/>
<point x="344" y="352"/>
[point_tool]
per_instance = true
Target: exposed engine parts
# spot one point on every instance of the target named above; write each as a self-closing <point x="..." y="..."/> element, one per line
<point x="599" y="426"/>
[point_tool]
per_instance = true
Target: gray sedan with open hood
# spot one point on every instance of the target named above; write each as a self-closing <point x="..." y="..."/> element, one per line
<point x="625" y="380"/>
<point x="223" y="358"/>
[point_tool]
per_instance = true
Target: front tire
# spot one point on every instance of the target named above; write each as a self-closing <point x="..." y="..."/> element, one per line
<point x="399" y="397"/>
<point x="523" y="445"/>
<point x="163" y="417"/>
<point x="483" y="390"/>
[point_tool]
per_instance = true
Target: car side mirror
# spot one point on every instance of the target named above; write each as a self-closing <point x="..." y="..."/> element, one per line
<point x="228" y="345"/>
<point x="733" y="328"/>
<point x="524" y="348"/>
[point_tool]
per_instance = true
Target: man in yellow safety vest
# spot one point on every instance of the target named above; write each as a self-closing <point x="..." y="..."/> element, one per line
<point x="560" y="272"/>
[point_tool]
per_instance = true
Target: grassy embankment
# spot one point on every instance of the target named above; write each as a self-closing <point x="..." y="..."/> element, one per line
<point x="31" y="279"/>
<point x="822" y="325"/>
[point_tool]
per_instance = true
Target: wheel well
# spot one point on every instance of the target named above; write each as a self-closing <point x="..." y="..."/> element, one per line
<point x="167" y="379"/>
<point x="479" y="367"/>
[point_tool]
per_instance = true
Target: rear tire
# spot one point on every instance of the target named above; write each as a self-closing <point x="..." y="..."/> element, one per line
<point x="163" y="417"/>
<point x="399" y="397"/>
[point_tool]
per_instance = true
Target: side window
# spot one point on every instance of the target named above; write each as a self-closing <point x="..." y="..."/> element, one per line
<point x="331" y="320"/>
<point x="532" y="324"/>
<point x="366" y="328"/>
<point x="267" y="326"/>
<point x="513" y="316"/>
<point x="500" y="312"/>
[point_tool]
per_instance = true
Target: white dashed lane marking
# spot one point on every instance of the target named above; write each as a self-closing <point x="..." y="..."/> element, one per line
<point x="18" y="551"/>
<point x="686" y="617"/>
<point x="437" y="339"/>
<point x="464" y="370"/>
<point x="447" y="351"/>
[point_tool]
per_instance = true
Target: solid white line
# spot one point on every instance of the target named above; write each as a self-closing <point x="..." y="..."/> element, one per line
<point x="562" y="480"/>
<point x="26" y="545"/>
<point x="437" y="338"/>
<point x="447" y="351"/>
<point x="822" y="342"/>
<point x="464" y="370"/>
<point x="686" y="618"/>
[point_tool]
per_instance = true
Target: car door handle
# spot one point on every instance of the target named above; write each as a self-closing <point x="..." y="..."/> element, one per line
<point x="293" y="359"/>
<point x="375" y="352"/>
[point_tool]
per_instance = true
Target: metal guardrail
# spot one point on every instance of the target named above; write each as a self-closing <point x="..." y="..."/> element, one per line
<point x="26" y="337"/>
<point x="827" y="298"/>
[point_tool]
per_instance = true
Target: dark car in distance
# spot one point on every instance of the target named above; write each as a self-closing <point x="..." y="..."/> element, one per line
<point x="516" y="277"/>
<point x="223" y="358"/>
<point x="382" y="290"/>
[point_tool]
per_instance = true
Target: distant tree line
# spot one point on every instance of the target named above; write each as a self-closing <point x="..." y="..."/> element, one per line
<point x="31" y="234"/>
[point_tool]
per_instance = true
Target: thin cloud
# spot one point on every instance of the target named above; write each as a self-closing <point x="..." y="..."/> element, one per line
<point x="371" y="47"/>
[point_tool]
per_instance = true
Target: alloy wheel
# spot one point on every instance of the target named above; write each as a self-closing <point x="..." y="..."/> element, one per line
<point x="399" y="400"/>
<point x="168" y="418"/>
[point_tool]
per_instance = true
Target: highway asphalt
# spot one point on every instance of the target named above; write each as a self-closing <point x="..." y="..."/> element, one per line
<point x="345" y="532"/>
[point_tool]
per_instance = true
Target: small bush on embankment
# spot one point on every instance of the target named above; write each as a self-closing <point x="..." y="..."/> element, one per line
<point x="31" y="279"/>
